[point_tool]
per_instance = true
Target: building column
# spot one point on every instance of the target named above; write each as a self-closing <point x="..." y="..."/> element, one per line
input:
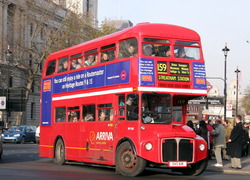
<point x="3" y="30"/>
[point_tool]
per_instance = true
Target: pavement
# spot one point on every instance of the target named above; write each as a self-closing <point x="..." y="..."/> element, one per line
<point x="245" y="161"/>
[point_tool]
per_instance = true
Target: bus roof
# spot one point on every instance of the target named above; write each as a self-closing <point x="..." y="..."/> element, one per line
<point x="147" y="29"/>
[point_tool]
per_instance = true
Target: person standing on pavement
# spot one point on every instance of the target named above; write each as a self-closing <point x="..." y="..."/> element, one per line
<point x="228" y="129"/>
<point x="219" y="142"/>
<point x="202" y="130"/>
<point x="245" y="140"/>
<point x="211" y="138"/>
<point x="235" y="144"/>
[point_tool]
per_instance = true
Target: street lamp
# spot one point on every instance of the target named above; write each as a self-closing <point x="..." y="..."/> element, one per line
<point x="225" y="50"/>
<point x="237" y="88"/>
<point x="8" y="56"/>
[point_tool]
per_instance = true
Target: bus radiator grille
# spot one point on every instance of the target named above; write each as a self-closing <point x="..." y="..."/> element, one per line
<point x="177" y="150"/>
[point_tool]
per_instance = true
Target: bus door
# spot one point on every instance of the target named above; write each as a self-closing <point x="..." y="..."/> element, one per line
<point x="120" y="122"/>
<point x="73" y="132"/>
<point x="104" y="148"/>
<point x="126" y="125"/>
<point x="179" y="109"/>
<point x="88" y="132"/>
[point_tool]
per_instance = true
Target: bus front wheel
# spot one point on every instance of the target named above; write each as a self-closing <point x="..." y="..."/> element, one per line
<point x="59" y="157"/>
<point x="196" y="169"/>
<point x="127" y="162"/>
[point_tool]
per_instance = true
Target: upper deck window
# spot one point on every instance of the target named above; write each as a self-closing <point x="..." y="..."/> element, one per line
<point x="128" y="48"/>
<point x="107" y="53"/>
<point x="76" y="61"/>
<point x="187" y="50"/>
<point x="156" y="47"/>
<point x="90" y="57"/>
<point x="51" y="68"/>
<point x="63" y="65"/>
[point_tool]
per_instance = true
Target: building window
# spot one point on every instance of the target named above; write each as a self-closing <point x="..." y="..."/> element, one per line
<point x="33" y="87"/>
<point x="32" y="110"/>
<point x="31" y="29"/>
<point x="87" y="5"/>
<point x="10" y="81"/>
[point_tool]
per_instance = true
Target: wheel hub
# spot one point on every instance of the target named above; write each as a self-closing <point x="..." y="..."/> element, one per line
<point x="128" y="159"/>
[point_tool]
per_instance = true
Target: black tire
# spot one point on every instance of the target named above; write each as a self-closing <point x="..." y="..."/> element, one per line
<point x="196" y="169"/>
<point x="127" y="162"/>
<point x="22" y="140"/>
<point x="1" y="155"/>
<point x="59" y="156"/>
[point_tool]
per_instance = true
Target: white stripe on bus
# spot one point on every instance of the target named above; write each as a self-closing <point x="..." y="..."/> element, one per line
<point x="191" y="91"/>
<point x="123" y="90"/>
<point x="93" y="94"/>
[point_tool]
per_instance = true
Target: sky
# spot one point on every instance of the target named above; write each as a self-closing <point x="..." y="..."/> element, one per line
<point x="216" y="21"/>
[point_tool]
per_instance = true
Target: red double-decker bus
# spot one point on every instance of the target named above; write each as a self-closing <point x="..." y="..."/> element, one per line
<point x="121" y="100"/>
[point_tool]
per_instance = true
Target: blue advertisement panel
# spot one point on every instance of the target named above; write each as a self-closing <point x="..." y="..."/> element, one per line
<point x="46" y="102"/>
<point x="147" y="72"/>
<point x="117" y="73"/>
<point x="112" y="74"/>
<point x="199" y="75"/>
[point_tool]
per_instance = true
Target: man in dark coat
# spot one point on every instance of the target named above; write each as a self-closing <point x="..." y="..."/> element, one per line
<point x="235" y="143"/>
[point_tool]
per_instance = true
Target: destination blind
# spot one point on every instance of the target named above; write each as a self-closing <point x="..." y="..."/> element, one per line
<point x="175" y="69"/>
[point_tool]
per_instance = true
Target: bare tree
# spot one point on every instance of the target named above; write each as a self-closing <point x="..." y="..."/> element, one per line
<point x="245" y="102"/>
<point x="40" y="28"/>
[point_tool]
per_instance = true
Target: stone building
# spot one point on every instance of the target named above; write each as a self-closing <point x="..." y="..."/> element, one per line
<point x="119" y="24"/>
<point x="19" y="29"/>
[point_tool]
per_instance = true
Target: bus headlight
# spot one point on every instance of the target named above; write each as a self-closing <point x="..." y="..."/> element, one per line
<point x="202" y="147"/>
<point x="148" y="146"/>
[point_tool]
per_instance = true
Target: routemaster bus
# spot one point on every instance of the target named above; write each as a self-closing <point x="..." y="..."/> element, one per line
<point x="121" y="100"/>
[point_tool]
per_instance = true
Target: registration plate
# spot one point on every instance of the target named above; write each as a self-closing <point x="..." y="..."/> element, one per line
<point x="177" y="163"/>
<point x="8" y="138"/>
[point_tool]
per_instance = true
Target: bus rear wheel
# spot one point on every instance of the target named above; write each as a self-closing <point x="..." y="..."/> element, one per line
<point x="127" y="162"/>
<point x="59" y="157"/>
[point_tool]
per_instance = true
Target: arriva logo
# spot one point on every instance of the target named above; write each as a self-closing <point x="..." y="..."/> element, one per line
<point x="100" y="136"/>
<point x="105" y="136"/>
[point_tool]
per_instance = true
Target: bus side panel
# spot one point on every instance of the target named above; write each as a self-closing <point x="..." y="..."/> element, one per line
<point x="87" y="141"/>
<point x="46" y="147"/>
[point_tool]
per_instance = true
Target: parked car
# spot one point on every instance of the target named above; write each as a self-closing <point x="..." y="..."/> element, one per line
<point x="1" y="144"/>
<point x="37" y="134"/>
<point x="19" y="134"/>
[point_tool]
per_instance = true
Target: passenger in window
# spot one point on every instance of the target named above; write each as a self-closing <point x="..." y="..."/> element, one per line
<point x="112" y="55"/>
<point x="89" y="117"/>
<point x="71" y="116"/>
<point x="89" y="61"/>
<point x="64" y="66"/>
<point x="79" y="63"/>
<point x="166" y="52"/>
<point x="111" y="117"/>
<point x="75" y="119"/>
<point x="148" y="50"/>
<point x="73" y="64"/>
<point x="132" y="50"/>
<point x="60" y="117"/>
<point x="144" y="105"/>
<point x="102" y="116"/>
<point x="132" y="108"/>
<point x="104" y="57"/>
<point x="182" y="54"/>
